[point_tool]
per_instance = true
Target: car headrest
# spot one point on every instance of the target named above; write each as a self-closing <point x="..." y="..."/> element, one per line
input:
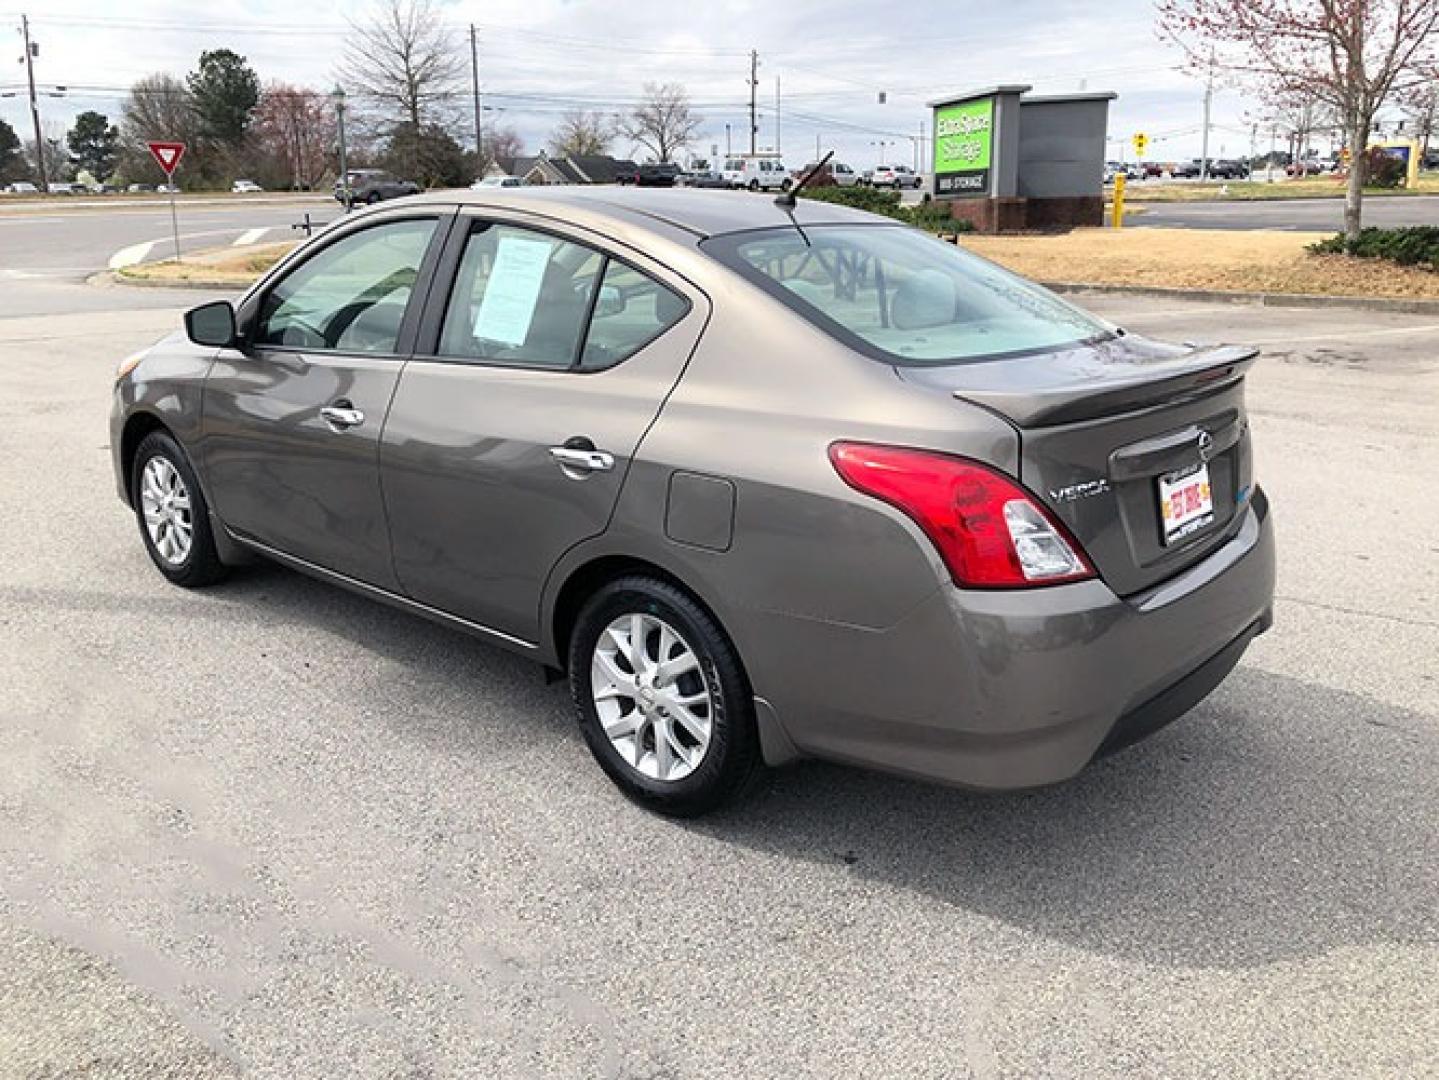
<point x="926" y="300"/>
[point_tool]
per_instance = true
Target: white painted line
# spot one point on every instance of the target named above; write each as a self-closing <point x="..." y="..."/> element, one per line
<point x="135" y="253"/>
<point x="249" y="236"/>
<point x="1346" y="335"/>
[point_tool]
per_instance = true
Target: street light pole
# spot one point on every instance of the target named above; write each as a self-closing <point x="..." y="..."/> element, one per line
<point x="339" y="96"/>
<point x="30" y="50"/>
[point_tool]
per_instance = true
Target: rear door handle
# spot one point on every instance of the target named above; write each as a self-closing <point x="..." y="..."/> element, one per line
<point x="343" y="415"/>
<point x="582" y="461"/>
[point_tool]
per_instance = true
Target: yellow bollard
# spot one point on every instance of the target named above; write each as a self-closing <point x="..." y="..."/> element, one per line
<point x="1119" y="200"/>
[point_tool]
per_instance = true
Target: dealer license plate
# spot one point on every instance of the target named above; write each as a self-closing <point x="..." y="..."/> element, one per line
<point x="1186" y="502"/>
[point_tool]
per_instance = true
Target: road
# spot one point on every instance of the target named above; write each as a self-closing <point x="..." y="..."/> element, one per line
<point x="274" y="830"/>
<point x="1301" y="215"/>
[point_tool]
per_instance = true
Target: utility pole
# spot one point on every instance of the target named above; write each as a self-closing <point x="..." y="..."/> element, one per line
<point x="753" y="89"/>
<point x="1208" y="102"/>
<point x="776" y="114"/>
<point x="727" y="150"/>
<point x="475" y="88"/>
<point x="31" y="48"/>
<point x="816" y="146"/>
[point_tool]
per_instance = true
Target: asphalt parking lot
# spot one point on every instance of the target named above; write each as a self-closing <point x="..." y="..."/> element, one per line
<point x="274" y="830"/>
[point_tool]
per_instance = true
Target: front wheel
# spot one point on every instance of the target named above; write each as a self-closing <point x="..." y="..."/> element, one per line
<point x="170" y="508"/>
<point x="662" y="698"/>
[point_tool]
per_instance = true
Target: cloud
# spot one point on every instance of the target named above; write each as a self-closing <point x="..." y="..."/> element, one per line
<point x="539" y="57"/>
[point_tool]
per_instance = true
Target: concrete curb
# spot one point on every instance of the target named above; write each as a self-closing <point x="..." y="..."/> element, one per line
<point x="1393" y="305"/>
<point x="113" y="278"/>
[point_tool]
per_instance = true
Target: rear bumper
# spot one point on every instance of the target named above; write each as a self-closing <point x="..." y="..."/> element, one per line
<point x="1005" y="690"/>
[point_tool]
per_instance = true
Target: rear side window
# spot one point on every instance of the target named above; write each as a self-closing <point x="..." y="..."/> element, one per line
<point x="534" y="300"/>
<point x="632" y="310"/>
<point x="521" y="297"/>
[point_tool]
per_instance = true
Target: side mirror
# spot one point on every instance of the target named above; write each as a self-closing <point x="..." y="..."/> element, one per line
<point x="212" y="324"/>
<point x="611" y="301"/>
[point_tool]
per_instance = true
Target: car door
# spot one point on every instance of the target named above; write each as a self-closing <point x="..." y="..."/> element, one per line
<point x="292" y="420"/>
<point x="544" y="363"/>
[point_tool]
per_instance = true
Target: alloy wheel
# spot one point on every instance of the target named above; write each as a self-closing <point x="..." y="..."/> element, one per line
<point x="651" y="697"/>
<point x="165" y="503"/>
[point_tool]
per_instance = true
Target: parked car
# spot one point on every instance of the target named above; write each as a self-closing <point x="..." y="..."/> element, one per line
<point x="371" y="186"/>
<point x="881" y="176"/>
<point x="700" y="175"/>
<point x="167" y="189"/>
<point x="245" y="187"/>
<point x="905" y="177"/>
<point x="139" y="189"/>
<point x="965" y="531"/>
<point x="496" y="182"/>
<point x="21" y="187"/>
<point x="1128" y="169"/>
<point x="651" y="174"/>
<point x="1229" y="169"/>
<point x="66" y="188"/>
<point x="757" y="173"/>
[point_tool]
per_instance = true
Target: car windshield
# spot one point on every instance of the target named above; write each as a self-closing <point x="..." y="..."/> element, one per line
<point x="904" y="296"/>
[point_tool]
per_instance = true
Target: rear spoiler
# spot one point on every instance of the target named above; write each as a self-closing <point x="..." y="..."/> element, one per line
<point x="1089" y="385"/>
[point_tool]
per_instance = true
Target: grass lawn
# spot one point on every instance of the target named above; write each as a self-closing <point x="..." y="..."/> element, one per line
<point x="1314" y="187"/>
<point x="1273" y="262"/>
<point x="224" y="266"/>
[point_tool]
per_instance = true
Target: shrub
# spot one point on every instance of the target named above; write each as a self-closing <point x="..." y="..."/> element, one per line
<point x="928" y="215"/>
<point x="1415" y="245"/>
<point x="1383" y="170"/>
<point x="875" y="200"/>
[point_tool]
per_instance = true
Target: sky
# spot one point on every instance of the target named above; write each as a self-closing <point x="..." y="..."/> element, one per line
<point x="540" y="57"/>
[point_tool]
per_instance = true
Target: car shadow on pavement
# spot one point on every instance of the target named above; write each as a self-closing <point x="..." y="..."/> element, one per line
<point x="1279" y="820"/>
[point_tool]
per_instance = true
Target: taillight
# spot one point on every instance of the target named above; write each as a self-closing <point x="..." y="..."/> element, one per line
<point x="991" y="533"/>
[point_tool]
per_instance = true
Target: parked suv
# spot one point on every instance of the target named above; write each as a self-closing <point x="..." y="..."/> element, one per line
<point x="764" y="481"/>
<point x="372" y="186"/>
<point x="651" y="174"/>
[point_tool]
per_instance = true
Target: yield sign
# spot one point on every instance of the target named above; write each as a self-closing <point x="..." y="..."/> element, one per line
<point x="167" y="155"/>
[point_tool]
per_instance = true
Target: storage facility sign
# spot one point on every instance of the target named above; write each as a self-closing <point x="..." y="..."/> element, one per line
<point x="963" y="146"/>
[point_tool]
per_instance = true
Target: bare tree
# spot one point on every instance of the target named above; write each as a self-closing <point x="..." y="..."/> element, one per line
<point x="297" y="126"/>
<point x="663" y="122"/>
<point x="407" y="61"/>
<point x="1352" y="55"/>
<point x="581" y="133"/>
<point x="159" y="108"/>
<point x="1421" y="106"/>
<point x="502" y="144"/>
<point x="1300" y="114"/>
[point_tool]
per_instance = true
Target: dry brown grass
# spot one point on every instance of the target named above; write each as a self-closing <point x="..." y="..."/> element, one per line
<point x="1314" y="187"/>
<point x="1272" y="262"/>
<point x="223" y="266"/>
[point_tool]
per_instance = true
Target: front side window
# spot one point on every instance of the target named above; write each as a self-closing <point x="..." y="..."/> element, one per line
<point x="351" y="296"/>
<point x="902" y="295"/>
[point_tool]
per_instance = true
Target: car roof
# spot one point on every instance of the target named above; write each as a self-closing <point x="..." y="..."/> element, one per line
<point x="701" y="212"/>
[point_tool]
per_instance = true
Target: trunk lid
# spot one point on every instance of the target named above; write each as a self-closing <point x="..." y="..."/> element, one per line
<point x="1106" y="429"/>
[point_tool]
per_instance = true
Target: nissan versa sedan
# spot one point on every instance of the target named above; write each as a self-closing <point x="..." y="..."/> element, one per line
<point x="763" y="481"/>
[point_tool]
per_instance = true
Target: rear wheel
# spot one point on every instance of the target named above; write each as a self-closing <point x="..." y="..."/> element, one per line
<point x="373" y="197"/>
<point x="754" y="185"/>
<point x="662" y="698"/>
<point x="170" y="508"/>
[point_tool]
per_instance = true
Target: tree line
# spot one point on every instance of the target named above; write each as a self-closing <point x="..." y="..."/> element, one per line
<point x="405" y="97"/>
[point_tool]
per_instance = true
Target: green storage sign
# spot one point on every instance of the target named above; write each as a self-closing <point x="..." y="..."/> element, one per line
<point x="963" y="144"/>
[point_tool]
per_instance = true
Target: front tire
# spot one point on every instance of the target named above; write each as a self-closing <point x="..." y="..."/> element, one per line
<point x="662" y="698"/>
<point x="173" y="516"/>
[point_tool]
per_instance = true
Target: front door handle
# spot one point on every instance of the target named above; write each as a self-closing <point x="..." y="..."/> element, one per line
<point x="582" y="462"/>
<point x="342" y="415"/>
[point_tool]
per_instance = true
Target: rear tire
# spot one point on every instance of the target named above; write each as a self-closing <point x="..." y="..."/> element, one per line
<point x="373" y="197"/>
<point x="173" y="516"/>
<point x="662" y="698"/>
<point x="754" y="185"/>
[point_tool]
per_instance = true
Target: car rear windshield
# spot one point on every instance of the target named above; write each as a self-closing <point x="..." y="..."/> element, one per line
<point x="903" y="296"/>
